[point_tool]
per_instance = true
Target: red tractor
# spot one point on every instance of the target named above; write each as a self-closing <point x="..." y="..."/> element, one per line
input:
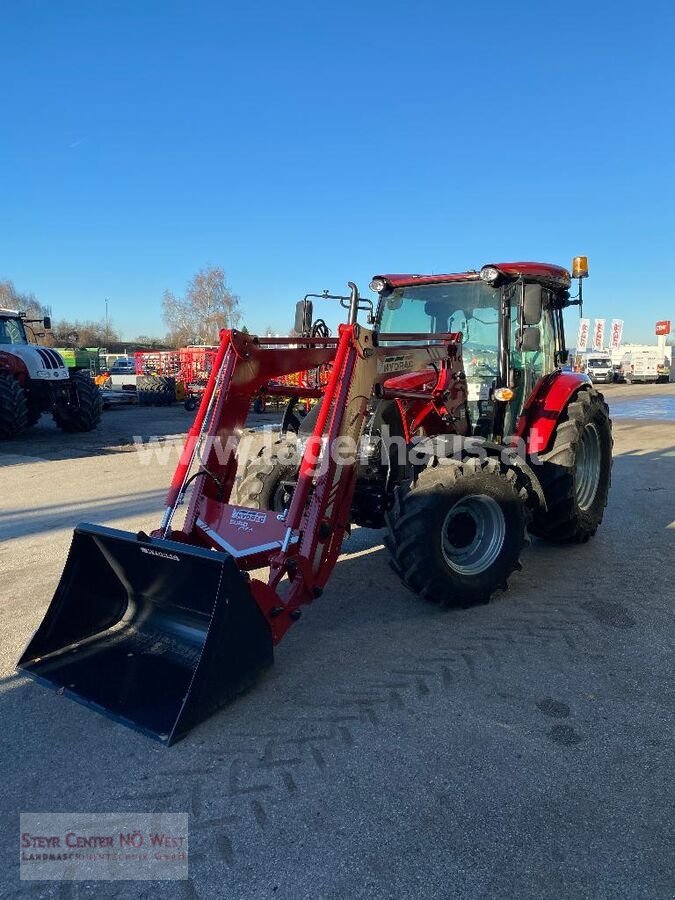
<point x="544" y="434"/>
<point x="450" y="421"/>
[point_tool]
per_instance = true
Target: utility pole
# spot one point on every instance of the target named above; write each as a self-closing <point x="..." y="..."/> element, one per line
<point x="106" y="323"/>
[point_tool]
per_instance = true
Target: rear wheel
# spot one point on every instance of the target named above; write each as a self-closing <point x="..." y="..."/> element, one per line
<point x="14" y="415"/>
<point x="575" y="474"/>
<point x="265" y="482"/>
<point x="83" y="413"/>
<point x="456" y="533"/>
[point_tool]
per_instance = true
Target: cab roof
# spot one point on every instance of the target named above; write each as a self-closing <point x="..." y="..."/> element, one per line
<point x="545" y="272"/>
<point x="14" y="313"/>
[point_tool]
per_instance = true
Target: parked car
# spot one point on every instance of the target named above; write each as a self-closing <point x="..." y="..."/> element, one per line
<point x="122" y="373"/>
<point x="125" y="365"/>
<point x="600" y="369"/>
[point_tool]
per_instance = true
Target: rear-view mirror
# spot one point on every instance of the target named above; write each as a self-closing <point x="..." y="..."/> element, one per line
<point x="532" y="304"/>
<point x="304" y="312"/>
<point x="47" y="322"/>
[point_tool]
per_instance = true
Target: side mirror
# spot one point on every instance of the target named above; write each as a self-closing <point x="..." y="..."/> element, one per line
<point x="532" y="304"/>
<point x="304" y="314"/>
<point x="47" y="322"/>
<point x="529" y="340"/>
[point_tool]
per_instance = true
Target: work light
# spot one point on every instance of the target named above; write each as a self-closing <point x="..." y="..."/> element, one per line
<point x="490" y="274"/>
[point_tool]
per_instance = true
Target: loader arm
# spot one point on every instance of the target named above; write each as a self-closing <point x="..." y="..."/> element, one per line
<point x="157" y="631"/>
<point x="303" y="545"/>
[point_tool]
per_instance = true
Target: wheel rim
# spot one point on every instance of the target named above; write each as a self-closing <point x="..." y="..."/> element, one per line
<point x="473" y="534"/>
<point x="588" y="465"/>
<point x="281" y="497"/>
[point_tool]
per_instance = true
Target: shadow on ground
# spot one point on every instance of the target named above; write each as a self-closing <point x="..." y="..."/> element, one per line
<point x="119" y="429"/>
<point x="15" y="523"/>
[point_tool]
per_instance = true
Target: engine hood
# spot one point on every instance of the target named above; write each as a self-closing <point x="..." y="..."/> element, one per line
<point x="41" y="362"/>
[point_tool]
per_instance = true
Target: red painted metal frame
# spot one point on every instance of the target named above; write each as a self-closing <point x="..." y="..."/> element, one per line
<point x="544" y="407"/>
<point x="158" y="362"/>
<point x="423" y="397"/>
<point x="300" y="547"/>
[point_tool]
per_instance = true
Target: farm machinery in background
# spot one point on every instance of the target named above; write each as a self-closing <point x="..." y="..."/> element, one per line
<point x="164" y="376"/>
<point x="468" y="431"/>
<point x="36" y="380"/>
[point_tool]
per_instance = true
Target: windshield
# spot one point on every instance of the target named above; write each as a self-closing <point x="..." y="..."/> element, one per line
<point x="471" y="307"/>
<point x="600" y="362"/>
<point x="12" y="332"/>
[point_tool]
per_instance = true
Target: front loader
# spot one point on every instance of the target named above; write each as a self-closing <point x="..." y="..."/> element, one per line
<point x="159" y="630"/>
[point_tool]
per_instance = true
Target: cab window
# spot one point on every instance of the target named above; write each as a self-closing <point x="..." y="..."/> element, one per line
<point x="12" y="331"/>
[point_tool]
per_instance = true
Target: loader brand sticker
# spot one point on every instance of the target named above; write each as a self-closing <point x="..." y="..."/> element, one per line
<point x="103" y="846"/>
<point x="243" y="519"/>
<point x="161" y="553"/>
<point x="401" y="363"/>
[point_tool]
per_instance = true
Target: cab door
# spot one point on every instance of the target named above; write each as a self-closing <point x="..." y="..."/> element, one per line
<point x="532" y="321"/>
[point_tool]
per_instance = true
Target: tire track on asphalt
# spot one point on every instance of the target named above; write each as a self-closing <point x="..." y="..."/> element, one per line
<point x="307" y="744"/>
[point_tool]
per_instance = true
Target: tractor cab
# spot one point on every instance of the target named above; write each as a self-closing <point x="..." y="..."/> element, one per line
<point x="510" y="319"/>
<point x="12" y="329"/>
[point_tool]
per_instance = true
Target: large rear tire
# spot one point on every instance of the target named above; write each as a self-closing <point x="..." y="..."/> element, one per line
<point x="13" y="407"/>
<point x="575" y="474"/>
<point x="264" y="482"/>
<point x="155" y="390"/>
<point x="85" y="413"/>
<point x="455" y="534"/>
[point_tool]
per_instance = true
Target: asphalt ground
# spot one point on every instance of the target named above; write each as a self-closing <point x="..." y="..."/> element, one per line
<point x="518" y="749"/>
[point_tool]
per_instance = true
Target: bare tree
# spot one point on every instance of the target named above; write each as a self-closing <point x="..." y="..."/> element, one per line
<point x="208" y="306"/>
<point x="24" y="301"/>
<point x="79" y="333"/>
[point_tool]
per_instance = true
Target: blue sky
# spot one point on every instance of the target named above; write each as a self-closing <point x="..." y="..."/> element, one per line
<point x="303" y="144"/>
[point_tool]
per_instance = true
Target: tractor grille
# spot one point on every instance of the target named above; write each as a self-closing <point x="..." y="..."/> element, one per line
<point x="51" y="359"/>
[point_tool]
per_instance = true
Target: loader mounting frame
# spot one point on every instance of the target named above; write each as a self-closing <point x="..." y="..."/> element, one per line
<point x="301" y="545"/>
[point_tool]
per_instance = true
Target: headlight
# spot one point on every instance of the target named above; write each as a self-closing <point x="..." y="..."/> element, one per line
<point x="378" y="285"/>
<point x="490" y="274"/>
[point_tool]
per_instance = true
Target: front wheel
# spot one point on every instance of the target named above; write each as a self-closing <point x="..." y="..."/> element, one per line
<point x="268" y="479"/>
<point x="455" y="534"/>
<point x="575" y="474"/>
<point x="14" y="411"/>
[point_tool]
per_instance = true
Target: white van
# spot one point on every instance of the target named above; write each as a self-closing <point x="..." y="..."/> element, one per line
<point x="600" y="369"/>
<point x="642" y="366"/>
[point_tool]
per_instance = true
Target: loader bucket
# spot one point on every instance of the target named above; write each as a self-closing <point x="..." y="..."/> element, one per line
<point x="154" y="634"/>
